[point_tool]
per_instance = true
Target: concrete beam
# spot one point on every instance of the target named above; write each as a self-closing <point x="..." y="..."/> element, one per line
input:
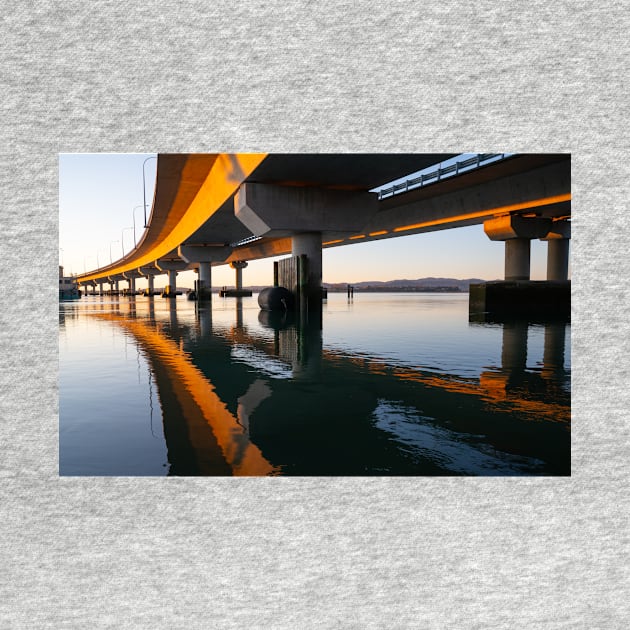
<point x="559" y="230"/>
<point x="149" y="270"/>
<point x="515" y="226"/>
<point x="269" y="210"/>
<point x="171" y="265"/>
<point x="517" y="232"/>
<point x="204" y="253"/>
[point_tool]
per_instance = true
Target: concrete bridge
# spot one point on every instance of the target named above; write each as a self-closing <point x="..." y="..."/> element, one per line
<point x="213" y="209"/>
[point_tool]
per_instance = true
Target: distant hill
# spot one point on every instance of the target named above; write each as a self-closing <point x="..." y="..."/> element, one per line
<point x="420" y="284"/>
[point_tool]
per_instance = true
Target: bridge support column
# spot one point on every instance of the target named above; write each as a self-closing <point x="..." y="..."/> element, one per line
<point x="130" y="277"/>
<point x="517" y="295"/>
<point x="113" y="283"/>
<point x="149" y="272"/>
<point x="309" y="245"/>
<point x="172" y="282"/>
<point x="517" y="232"/>
<point x="204" y="288"/>
<point x="238" y="266"/>
<point x="558" y="259"/>
<point x="204" y="256"/>
<point x="558" y="250"/>
<point x="171" y="266"/>
<point x="517" y="259"/>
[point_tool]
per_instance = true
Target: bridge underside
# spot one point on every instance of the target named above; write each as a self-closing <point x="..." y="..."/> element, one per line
<point x="249" y="206"/>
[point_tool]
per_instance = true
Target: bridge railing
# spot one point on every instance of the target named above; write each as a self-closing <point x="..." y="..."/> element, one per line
<point x="432" y="177"/>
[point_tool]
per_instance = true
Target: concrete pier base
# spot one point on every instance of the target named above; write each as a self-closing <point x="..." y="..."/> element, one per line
<point x="235" y="293"/>
<point x="536" y="299"/>
<point x="204" y="290"/>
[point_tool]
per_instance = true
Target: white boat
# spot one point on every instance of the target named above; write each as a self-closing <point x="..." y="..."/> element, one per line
<point x="68" y="289"/>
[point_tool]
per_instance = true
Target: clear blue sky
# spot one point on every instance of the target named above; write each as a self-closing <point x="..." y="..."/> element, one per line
<point x="98" y="193"/>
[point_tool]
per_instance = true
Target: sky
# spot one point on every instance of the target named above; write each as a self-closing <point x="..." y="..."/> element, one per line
<point x="100" y="196"/>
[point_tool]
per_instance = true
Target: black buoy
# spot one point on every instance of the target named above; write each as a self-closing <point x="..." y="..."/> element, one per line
<point x="276" y="299"/>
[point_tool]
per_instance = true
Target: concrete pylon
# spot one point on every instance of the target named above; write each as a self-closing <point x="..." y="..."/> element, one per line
<point x="131" y="280"/>
<point x="204" y="284"/>
<point x="517" y="232"/>
<point x="149" y="272"/>
<point x="113" y="282"/>
<point x="517" y="259"/>
<point x="131" y="276"/>
<point x="309" y="244"/>
<point x="204" y="256"/>
<point x="558" y="239"/>
<point x="172" y="283"/>
<point x="172" y="267"/>
<point x="238" y="266"/>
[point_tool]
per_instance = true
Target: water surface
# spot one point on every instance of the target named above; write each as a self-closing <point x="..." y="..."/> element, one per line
<point x="390" y="384"/>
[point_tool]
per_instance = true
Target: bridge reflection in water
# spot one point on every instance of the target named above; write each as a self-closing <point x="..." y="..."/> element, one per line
<point x="273" y="399"/>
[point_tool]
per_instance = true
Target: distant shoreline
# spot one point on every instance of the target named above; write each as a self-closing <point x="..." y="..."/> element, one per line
<point x="400" y="290"/>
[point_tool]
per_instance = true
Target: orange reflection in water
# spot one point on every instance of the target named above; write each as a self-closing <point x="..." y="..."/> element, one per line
<point x="198" y="398"/>
<point x="493" y="388"/>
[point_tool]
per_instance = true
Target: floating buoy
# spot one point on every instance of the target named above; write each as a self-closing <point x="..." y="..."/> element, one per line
<point x="276" y="299"/>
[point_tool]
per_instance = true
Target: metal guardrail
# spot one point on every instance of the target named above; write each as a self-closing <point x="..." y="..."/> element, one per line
<point x="433" y="177"/>
<point x="246" y="241"/>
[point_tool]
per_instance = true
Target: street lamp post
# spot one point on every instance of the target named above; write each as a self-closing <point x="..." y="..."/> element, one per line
<point x="110" y="251"/>
<point x="135" y="242"/>
<point x="144" y="191"/>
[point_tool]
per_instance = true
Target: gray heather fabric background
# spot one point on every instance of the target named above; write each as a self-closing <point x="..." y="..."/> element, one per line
<point x="318" y="552"/>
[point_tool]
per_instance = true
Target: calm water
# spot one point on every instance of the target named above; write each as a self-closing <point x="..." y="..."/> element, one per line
<point x="392" y="384"/>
